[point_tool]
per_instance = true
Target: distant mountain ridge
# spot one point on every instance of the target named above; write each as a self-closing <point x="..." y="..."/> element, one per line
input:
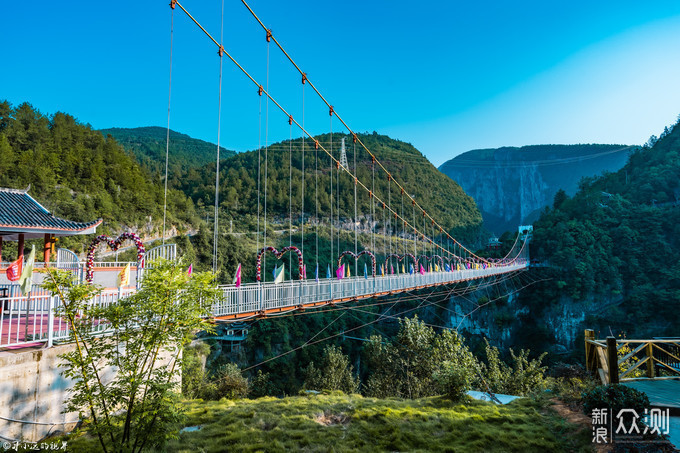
<point x="436" y="193"/>
<point x="512" y="185"/>
<point x="148" y="144"/>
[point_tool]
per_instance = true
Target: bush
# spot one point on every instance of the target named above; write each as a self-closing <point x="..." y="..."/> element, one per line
<point x="261" y="385"/>
<point x="335" y="373"/>
<point x="571" y="389"/>
<point x="226" y="382"/>
<point x="523" y="378"/>
<point x="455" y="379"/>
<point x="615" y="397"/>
<point x="193" y="369"/>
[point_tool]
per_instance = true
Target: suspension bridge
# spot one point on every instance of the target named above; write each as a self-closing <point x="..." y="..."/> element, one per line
<point x="428" y="254"/>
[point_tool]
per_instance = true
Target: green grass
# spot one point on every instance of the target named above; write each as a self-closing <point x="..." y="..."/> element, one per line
<point x="369" y="425"/>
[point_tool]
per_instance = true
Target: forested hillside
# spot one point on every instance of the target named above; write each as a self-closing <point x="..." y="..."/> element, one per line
<point x="512" y="185"/>
<point x="148" y="144"/>
<point x="435" y="192"/>
<point x="79" y="175"/>
<point x="618" y="240"/>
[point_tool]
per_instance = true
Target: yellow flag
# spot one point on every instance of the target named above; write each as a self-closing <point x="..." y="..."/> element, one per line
<point x="348" y="274"/>
<point x="26" y="279"/>
<point x="124" y="276"/>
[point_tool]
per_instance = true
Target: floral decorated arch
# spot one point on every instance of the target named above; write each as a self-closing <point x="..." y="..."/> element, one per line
<point x="114" y="244"/>
<point x="357" y="256"/>
<point x="278" y="255"/>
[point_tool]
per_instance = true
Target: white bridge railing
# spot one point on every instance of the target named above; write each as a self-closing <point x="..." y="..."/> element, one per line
<point x="39" y="318"/>
<point x="263" y="297"/>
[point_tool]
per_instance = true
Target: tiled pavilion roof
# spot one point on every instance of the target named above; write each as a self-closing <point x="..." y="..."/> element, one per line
<point x="21" y="213"/>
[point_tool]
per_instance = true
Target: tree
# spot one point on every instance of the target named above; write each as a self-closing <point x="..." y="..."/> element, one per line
<point x="418" y="363"/>
<point x="560" y="197"/>
<point x="147" y="331"/>
<point x="335" y="372"/>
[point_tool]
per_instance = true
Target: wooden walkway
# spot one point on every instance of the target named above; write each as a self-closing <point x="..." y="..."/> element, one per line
<point x="661" y="392"/>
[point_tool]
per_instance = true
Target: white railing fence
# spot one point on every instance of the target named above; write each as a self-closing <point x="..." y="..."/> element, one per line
<point x="39" y="319"/>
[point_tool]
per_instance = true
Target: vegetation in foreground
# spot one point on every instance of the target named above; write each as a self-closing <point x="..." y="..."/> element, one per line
<point x="338" y="422"/>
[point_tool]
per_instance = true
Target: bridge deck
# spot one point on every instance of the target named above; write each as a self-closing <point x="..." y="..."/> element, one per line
<point x="661" y="392"/>
<point x="37" y="319"/>
<point x="268" y="298"/>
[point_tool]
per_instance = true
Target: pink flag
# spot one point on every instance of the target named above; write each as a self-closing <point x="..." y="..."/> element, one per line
<point x="422" y="270"/>
<point x="191" y="269"/>
<point x="340" y="272"/>
<point x="237" y="276"/>
<point x="392" y="269"/>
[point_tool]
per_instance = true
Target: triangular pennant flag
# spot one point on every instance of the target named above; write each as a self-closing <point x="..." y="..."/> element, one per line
<point x="14" y="269"/>
<point x="382" y="270"/>
<point x="124" y="276"/>
<point x="392" y="269"/>
<point x="365" y="271"/>
<point x="275" y="271"/>
<point x="348" y="273"/>
<point x="403" y="270"/>
<point x="190" y="270"/>
<point x="410" y="269"/>
<point x="422" y="270"/>
<point x="237" y="276"/>
<point x="26" y="279"/>
<point x="328" y="271"/>
<point x="304" y="271"/>
<point x="316" y="272"/>
<point x="280" y="274"/>
<point x="340" y="272"/>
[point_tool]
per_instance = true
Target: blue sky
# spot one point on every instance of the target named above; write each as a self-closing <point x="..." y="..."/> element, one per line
<point x="446" y="76"/>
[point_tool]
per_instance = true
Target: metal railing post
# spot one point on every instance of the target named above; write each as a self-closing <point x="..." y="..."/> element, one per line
<point x="50" y="321"/>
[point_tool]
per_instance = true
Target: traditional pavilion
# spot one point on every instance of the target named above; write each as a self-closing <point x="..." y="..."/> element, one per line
<point x="21" y="217"/>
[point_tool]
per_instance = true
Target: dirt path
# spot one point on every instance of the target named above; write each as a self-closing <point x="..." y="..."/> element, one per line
<point x="580" y="419"/>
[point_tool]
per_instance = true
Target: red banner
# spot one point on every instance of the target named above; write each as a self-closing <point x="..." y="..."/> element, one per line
<point x="14" y="270"/>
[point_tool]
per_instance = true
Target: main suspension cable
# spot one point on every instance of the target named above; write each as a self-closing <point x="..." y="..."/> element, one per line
<point x="333" y="160"/>
<point x="311" y="84"/>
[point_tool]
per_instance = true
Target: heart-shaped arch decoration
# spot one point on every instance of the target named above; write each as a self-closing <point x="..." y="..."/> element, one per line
<point x="114" y="244"/>
<point x="278" y="255"/>
<point x="432" y="258"/>
<point x="401" y="258"/>
<point x="357" y="256"/>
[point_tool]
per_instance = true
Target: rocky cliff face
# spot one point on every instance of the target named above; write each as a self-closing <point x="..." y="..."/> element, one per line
<point x="512" y="185"/>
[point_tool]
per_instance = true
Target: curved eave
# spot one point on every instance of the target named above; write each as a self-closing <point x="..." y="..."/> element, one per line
<point x="11" y="232"/>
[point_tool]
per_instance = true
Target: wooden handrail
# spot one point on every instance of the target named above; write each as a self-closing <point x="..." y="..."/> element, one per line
<point x="602" y="357"/>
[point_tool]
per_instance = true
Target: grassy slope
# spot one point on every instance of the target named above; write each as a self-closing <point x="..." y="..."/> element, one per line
<point x="429" y="424"/>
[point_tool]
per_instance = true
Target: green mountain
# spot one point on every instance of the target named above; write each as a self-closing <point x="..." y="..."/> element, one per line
<point x="148" y="144"/>
<point x="78" y="174"/>
<point x="436" y="193"/>
<point x="512" y="185"/>
<point x="616" y="243"/>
